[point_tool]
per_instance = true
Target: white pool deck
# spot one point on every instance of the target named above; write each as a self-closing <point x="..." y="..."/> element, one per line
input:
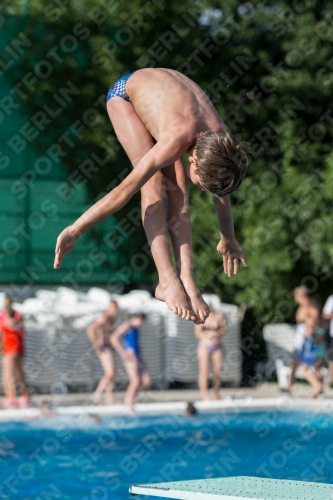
<point x="262" y="398"/>
<point x="237" y="488"/>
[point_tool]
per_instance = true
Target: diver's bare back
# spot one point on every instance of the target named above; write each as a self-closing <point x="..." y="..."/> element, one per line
<point x="169" y="103"/>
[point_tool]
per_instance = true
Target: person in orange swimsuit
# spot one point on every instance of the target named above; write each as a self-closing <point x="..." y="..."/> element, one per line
<point x="12" y="334"/>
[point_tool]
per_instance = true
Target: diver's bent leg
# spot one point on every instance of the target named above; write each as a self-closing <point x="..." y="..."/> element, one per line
<point x="180" y="231"/>
<point x="137" y="141"/>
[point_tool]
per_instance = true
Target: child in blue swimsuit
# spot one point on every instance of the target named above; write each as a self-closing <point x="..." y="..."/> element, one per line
<point x="311" y="350"/>
<point x="129" y="352"/>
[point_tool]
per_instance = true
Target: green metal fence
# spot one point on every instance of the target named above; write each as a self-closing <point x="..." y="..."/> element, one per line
<point x="34" y="208"/>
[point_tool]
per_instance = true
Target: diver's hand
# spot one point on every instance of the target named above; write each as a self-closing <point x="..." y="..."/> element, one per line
<point x="65" y="244"/>
<point x="232" y="253"/>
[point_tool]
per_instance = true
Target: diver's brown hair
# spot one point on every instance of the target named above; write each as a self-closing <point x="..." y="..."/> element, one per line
<point x="221" y="162"/>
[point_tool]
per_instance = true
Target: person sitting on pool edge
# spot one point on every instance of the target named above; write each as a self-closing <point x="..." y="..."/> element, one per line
<point x="158" y="115"/>
<point x="129" y="352"/>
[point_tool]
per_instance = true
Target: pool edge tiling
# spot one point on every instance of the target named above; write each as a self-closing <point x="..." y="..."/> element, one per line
<point x="142" y="409"/>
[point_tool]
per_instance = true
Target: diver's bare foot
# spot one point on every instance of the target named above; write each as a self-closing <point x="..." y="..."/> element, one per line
<point x="173" y="294"/>
<point x="199" y="306"/>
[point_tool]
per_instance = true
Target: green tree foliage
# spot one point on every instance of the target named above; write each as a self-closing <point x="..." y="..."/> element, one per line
<point x="268" y="69"/>
<point x="280" y="103"/>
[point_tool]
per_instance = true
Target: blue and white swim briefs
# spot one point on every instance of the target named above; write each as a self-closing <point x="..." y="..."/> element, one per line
<point x="119" y="88"/>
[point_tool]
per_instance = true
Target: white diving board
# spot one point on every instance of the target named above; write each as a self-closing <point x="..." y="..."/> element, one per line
<point x="237" y="488"/>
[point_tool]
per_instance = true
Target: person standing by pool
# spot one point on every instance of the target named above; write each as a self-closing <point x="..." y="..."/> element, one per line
<point x="210" y="350"/>
<point x="317" y="324"/>
<point x="328" y="315"/>
<point x="305" y="310"/>
<point x="12" y="336"/>
<point x="99" y="335"/>
<point x="129" y="352"/>
<point x="307" y="356"/>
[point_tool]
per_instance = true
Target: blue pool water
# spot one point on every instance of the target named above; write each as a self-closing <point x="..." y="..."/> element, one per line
<point x="78" y="458"/>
